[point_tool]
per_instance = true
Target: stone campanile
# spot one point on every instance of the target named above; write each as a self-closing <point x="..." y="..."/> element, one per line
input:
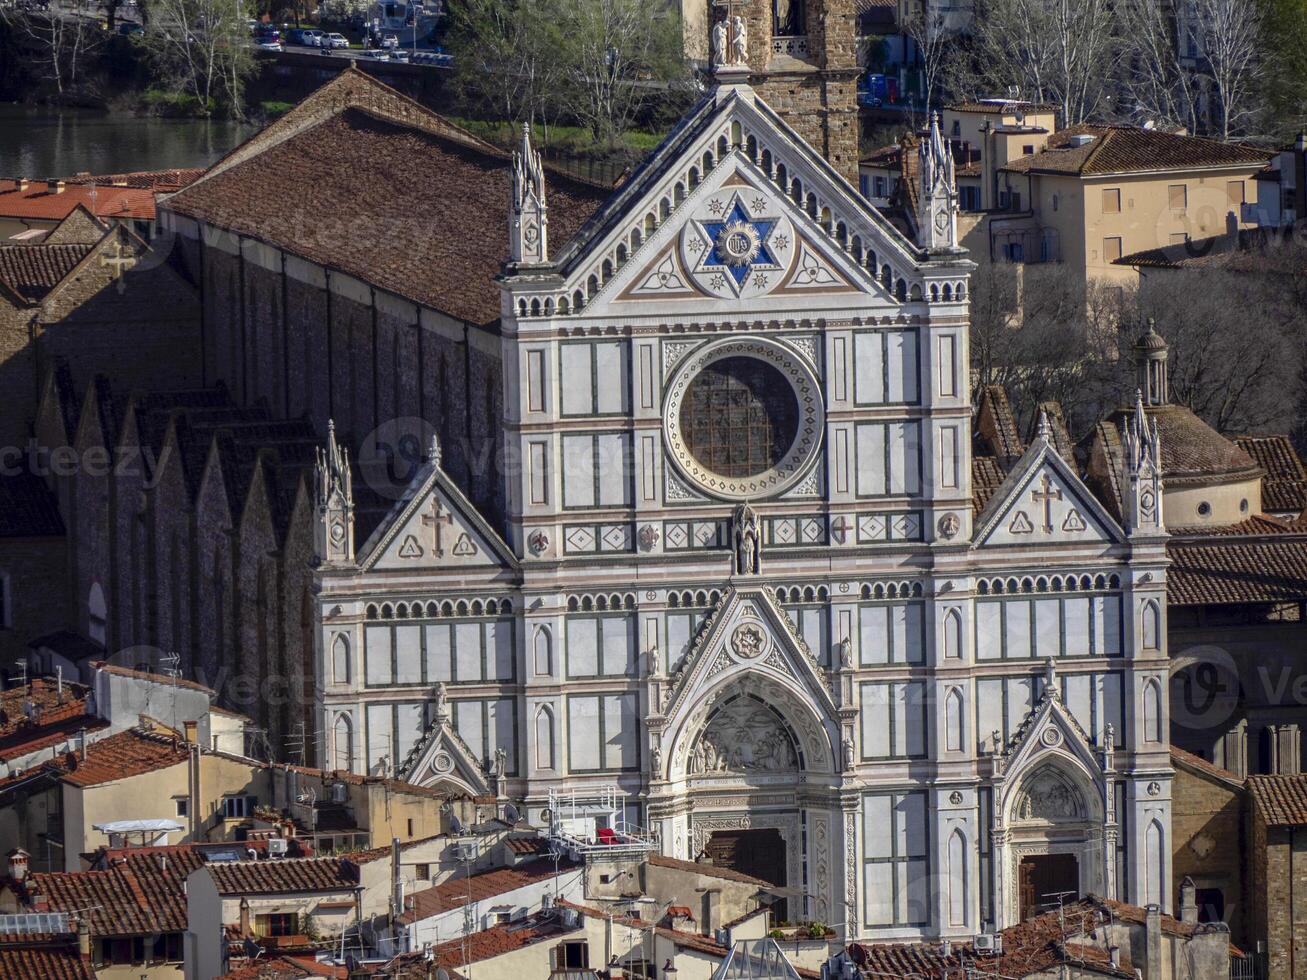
<point x="803" y="61"/>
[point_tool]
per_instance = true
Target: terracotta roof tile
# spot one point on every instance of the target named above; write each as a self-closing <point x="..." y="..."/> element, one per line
<point x="1282" y="800"/>
<point x="120" y="756"/>
<point x="31" y="271"/>
<point x="527" y="845"/>
<point x="453" y="894"/>
<point x="27" y="708"/>
<point x="1234" y="571"/>
<point x="284" y="876"/>
<point x="1284" y="487"/>
<point x="1192" y="451"/>
<point x="1265" y="252"/>
<point x="429" y="223"/>
<point x="134" y="892"/>
<point x="39" y="203"/>
<point x="986" y="478"/>
<point x="1200" y="765"/>
<point x="1006" y="106"/>
<point x="155" y="180"/>
<point x="144" y="675"/>
<point x="54" y="959"/>
<point x="1130" y="149"/>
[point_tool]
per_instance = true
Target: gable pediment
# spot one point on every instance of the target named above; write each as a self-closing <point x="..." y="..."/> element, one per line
<point x="747" y="633"/>
<point x="1042" y="501"/>
<point x="442" y="757"/>
<point x="434" y="526"/>
<point x="737" y="208"/>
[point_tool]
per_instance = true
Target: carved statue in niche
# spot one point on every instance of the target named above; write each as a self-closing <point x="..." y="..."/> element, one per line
<point x="748" y="541"/>
<point x="1050" y="797"/>
<point x="743" y="736"/>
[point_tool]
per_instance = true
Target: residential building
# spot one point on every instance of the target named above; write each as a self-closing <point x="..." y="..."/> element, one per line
<point x="289" y="903"/>
<point x="1277" y="828"/>
<point x="1077" y="940"/>
<point x="28" y="208"/>
<point x="143" y="781"/>
<point x="1281" y="189"/>
<point x="1096" y="193"/>
<point x="33" y="949"/>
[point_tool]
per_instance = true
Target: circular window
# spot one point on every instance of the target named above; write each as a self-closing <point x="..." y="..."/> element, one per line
<point x="743" y="418"/>
<point x="1204" y="509"/>
<point x="739" y="417"/>
<point x="1243" y="506"/>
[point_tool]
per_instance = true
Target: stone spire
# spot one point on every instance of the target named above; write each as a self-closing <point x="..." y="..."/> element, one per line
<point x="937" y="198"/>
<point x="333" y="534"/>
<point x="529" y="220"/>
<point x="1142" y="445"/>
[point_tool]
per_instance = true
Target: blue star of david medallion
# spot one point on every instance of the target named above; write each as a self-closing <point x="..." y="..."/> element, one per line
<point x="737" y="249"/>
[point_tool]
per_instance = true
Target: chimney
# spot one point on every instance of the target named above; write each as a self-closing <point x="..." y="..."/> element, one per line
<point x="18" y="864"/>
<point x="245" y="917"/>
<point x="1188" y="901"/>
<point x="23" y="184"/>
<point x="59" y="683"/>
<point x="54" y="185"/>
<point x="191" y="730"/>
<point x="1153" y="941"/>
<point x="1114" y="954"/>
<point x="83" y="939"/>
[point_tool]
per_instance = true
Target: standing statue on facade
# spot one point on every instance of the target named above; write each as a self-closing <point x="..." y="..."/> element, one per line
<point x="719" y="44"/>
<point x="748" y="541"/>
<point x="739" y="41"/>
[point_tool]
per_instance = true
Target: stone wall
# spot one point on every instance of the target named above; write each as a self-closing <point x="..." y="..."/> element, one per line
<point x="37" y="575"/>
<point x="1207" y="815"/>
<point x="1280" y="857"/>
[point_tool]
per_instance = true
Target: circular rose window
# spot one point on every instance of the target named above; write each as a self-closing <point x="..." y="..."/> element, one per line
<point x="743" y="418"/>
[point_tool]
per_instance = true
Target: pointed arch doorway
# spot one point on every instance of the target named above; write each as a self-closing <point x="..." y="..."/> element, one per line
<point x="1044" y="880"/>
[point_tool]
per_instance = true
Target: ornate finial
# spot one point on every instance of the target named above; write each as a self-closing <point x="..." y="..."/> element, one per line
<point x="433" y="451"/>
<point x="1045" y="429"/>
<point x="529" y="218"/>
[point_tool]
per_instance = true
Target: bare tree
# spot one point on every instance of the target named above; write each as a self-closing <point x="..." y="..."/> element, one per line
<point x="929" y="28"/>
<point x="1228" y="35"/>
<point x="1155" y="85"/>
<point x="202" y="47"/>
<point x="59" y="42"/>
<point x="1059" y="51"/>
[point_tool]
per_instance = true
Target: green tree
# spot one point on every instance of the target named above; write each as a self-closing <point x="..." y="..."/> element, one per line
<point x="201" y="48"/>
<point x="506" y="57"/>
<point x="1284" y="26"/>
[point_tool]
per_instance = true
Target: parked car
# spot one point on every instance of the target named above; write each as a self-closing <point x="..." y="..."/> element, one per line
<point x="313" y="38"/>
<point x="389" y="41"/>
<point x="263" y="44"/>
<point x="335" y="41"/>
<point x="268" y="35"/>
<point x="129" y="29"/>
<point x="296" y="36"/>
<point x="376" y="54"/>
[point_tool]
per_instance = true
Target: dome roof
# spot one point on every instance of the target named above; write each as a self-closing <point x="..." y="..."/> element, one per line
<point x="1151" y="341"/>
<point x="1195" y="453"/>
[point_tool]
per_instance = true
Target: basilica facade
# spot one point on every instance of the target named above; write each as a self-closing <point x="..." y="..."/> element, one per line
<point x="740" y="579"/>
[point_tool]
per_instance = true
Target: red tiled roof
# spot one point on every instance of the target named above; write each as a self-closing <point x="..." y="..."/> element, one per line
<point x="144" y="675"/>
<point x="1281" y="800"/>
<point x="527" y="845"/>
<point x="56" y="959"/>
<point x="1200" y="765"/>
<point x="136" y="892"/>
<point x="1005" y="106"/>
<point x="1284" y="487"/>
<point x="986" y="478"/>
<point x="48" y="706"/>
<point x="726" y="874"/>
<point x="1192" y="451"/>
<point x="429" y="223"/>
<point x="155" y="180"/>
<point x="453" y="894"/>
<point x="377" y="853"/>
<point x="495" y="941"/>
<point x="284" y="876"/>
<point x="1265" y="252"/>
<point x="31" y="271"/>
<point x="39" y="203"/>
<point x="1235" y="571"/>
<point x="120" y="756"/>
<point x="1130" y="149"/>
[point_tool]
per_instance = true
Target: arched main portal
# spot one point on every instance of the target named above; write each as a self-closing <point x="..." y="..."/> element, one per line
<point x="1055" y="838"/>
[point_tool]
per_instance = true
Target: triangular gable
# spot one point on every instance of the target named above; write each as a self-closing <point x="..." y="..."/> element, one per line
<point x="1032" y="739"/>
<point x="434" y="526"/>
<point x="1043" y="501"/>
<point x="656" y="237"/>
<point x="441" y="756"/>
<point x="748" y="631"/>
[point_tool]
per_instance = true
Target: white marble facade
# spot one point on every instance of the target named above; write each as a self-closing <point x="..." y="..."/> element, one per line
<point x="823" y="639"/>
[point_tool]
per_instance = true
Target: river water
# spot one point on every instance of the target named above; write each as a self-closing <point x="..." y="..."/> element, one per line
<point x="37" y="141"/>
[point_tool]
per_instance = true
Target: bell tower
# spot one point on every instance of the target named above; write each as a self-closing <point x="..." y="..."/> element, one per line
<point x="803" y="62"/>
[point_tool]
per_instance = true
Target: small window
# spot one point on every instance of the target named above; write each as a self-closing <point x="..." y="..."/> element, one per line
<point x="422" y="872"/>
<point x="1111" y="249"/>
<point x="1028" y="150"/>
<point x="1112" y="200"/>
<point x="1179" y="196"/>
<point x="410" y="827"/>
<point x="1204" y="509"/>
<point x="1243" y="506"/>
<point x="277" y="924"/>
<point x="957" y="127"/>
<point x="1055" y="202"/>
<point x="1179" y="237"/>
<point x="183" y="806"/>
<point x="238" y="807"/>
<point x="1234" y="193"/>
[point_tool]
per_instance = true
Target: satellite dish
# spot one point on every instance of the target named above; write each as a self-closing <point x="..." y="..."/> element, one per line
<point x="511" y="814"/>
<point x="442" y="973"/>
<point x="455" y="824"/>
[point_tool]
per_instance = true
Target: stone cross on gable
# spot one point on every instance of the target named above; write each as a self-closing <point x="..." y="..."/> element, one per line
<point x="437" y="520"/>
<point x="1046" y="496"/>
<point x="120" y="261"/>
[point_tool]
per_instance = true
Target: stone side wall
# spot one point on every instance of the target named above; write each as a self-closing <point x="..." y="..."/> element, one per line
<point x="37" y="574"/>
<point x="1207" y="827"/>
<point x="1281" y="853"/>
<point x="18" y="376"/>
